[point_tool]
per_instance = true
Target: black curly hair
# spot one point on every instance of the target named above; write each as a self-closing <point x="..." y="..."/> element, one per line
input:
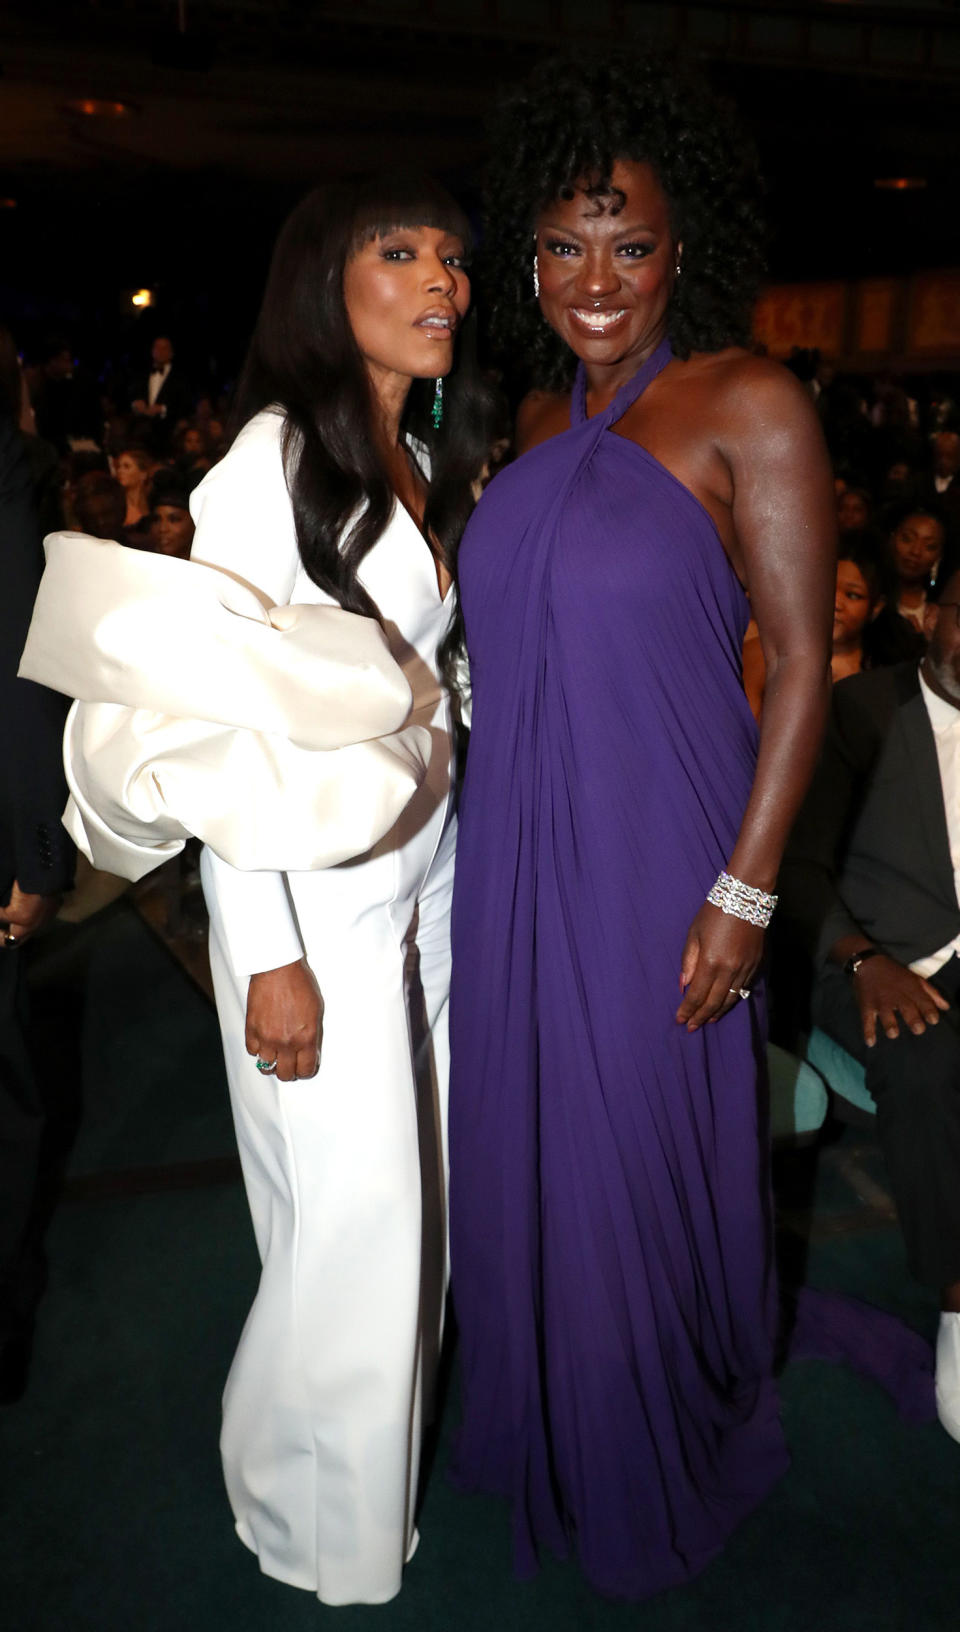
<point x="571" y="121"/>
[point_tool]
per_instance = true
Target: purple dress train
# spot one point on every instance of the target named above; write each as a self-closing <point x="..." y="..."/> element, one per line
<point x="609" y="1212"/>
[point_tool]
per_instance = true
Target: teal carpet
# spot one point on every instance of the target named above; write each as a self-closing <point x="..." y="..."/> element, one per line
<point x="112" y="1513"/>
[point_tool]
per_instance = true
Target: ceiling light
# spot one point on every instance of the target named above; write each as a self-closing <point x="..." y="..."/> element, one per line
<point x="901" y="184"/>
<point x="142" y="298"/>
<point x="8" y="203"/>
<point x="92" y="107"/>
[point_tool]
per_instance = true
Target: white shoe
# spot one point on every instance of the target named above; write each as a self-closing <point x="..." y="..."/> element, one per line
<point x="948" y="1374"/>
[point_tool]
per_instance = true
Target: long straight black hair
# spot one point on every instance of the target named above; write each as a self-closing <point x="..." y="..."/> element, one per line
<point x="304" y="359"/>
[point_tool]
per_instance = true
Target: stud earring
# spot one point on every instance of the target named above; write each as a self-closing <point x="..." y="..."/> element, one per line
<point x="536" y="279"/>
<point x="436" y="412"/>
<point x="678" y="268"/>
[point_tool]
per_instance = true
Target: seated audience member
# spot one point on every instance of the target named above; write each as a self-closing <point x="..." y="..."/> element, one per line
<point x="99" y="506"/>
<point x="916" y="551"/>
<point x="216" y="439"/>
<point x="171" y="525"/>
<point x="899" y="486"/>
<point x="893" y="409"/>
<point x="858" y="600"/>
<point x="133" y="468"/>
<point x="191" y="449"/>
<point x="868" y="633"/>
<point x="848" y="432"/>
<point x="942" y="407"/>
<point x="871" y="878"/>
<point x="854" y="510"/>
<point x="895" y="417"/>
<point x="942" y="488"/>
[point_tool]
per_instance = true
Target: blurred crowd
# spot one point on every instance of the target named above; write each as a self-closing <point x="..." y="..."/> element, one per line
<point x="114" y="454"/>
<point x="895" y="450"/>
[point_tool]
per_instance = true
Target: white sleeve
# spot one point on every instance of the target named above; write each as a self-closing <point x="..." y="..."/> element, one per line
<point x="245" y="525"/>
<point x="251" y="916"/>
<point x="243" y="515"/>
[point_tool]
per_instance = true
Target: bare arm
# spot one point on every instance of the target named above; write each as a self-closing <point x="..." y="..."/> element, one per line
<point x="784" y="521"/>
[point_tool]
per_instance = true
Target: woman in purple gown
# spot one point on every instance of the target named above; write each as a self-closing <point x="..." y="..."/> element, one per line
<point x="610" y="1226"/>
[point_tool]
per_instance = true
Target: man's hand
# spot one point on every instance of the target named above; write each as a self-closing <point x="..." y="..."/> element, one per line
<point x="24" y="914"/>
<point x="885" y="988"/>
<point x="285" y="1020"/>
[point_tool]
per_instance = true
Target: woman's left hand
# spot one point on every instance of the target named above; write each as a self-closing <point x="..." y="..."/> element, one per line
<point x="721" y="957"/>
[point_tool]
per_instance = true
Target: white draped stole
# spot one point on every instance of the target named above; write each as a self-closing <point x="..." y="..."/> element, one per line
<point x="274" y="734"/>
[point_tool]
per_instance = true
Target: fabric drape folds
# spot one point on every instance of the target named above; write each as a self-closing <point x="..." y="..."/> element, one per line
<point x="609" y="1221"/>
<point x="275" y="735"/>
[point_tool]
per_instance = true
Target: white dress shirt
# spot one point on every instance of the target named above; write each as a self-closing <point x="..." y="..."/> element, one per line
<point x="156" y="382"/>
<point x="945" y="720"/>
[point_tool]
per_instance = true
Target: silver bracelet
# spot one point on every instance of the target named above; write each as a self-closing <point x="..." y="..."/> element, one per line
<point x="741" y="900"/>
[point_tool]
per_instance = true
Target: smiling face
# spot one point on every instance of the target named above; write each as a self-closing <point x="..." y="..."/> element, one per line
<point x="917" y="547"/>
<point x="171" y="529"/>
<point x="406" y="295"/>
<point x="607" y="268"/>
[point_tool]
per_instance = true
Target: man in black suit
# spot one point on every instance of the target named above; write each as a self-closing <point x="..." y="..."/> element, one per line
<point x="36" y="864"/>
<point x="871" y="876"/>
<point x="163" y="397"/>
<point x="942" y="487"/>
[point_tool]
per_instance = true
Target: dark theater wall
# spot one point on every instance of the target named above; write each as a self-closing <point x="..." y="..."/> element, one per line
<point x="199" y="141"/>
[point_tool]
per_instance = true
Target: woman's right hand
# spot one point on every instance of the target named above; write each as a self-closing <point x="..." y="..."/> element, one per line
<point x="285" y="1020"/>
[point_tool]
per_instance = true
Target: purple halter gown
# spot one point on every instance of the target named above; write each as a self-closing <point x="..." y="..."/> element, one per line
<point x="609" y="1212"/>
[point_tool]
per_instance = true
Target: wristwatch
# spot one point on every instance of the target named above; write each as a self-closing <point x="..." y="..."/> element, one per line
<point x="856" y="958"/>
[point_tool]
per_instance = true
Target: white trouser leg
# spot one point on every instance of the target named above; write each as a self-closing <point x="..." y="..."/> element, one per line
<point x="320" y="1435"/>
<point x="428" y="979"/>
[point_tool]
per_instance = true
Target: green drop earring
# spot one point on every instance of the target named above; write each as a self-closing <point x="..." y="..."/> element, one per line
<point x="436" y="412"/>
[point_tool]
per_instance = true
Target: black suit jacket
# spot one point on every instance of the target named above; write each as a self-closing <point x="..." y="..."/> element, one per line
<point x="869" y="852"/>
<point x="175" y="395"/>
<point x="34" y="848"/>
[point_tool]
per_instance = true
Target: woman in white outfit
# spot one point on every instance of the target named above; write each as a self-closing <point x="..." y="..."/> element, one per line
<point x="331" y="986"/>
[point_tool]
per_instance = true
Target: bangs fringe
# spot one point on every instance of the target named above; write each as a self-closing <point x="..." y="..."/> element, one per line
<point x="404" y="200"/>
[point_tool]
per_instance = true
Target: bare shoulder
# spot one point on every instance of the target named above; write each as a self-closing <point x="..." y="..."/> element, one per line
<point x="751" y="394"/>
<point x="541" y="414"/>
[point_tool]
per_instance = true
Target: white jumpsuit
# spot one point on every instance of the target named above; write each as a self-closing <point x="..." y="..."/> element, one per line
<point x="345" y="1172"/>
